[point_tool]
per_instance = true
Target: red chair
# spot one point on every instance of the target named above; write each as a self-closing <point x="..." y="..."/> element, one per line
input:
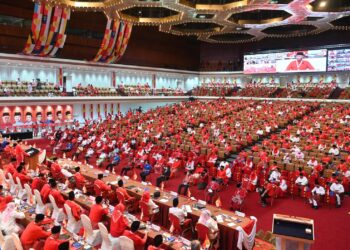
<point x="179" y="228"/>
<point x="203" y="234"/>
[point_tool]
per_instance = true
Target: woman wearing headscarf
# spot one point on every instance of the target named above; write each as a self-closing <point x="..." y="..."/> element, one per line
<point x="118" y="221"/>
<point x="146" y="198"/>
<point x="207" y="220"/>
<point x="8" y="219"/>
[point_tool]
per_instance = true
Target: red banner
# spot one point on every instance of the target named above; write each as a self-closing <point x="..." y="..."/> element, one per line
<point x="60" y="76"/>
<point x="92" y="111"/>
<point x="84" y="111"/>
<point x="106" y="111"/>
<point x="113" y="79"/>
<point x="98" y="110"/>
<point x="112" y="108"/>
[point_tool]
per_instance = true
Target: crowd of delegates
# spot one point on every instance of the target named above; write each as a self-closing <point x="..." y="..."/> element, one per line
<point x="303" y="152"/>
<point x="146" y="90"/>
<point x="214" y="89"/>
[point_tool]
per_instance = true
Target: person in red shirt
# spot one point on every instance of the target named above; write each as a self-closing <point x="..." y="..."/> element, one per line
<point x="38" y="182"/>
<point x="99" y="186"/>
<point x="53" y="241"/>
<point x="76" y="209"/>
<point x="157" y="242"/>
<point x="80" y="180"/>
<point x="97" y="212"/>
<point x="128" y="199"/>
<point x="33" y="234"/>
<point x="300" y="64"/>
<point x="45" y="191"/>
<point x="267" y="192"/>
<point x="22" y="177"/>
<point x="56" y="194"/>
<point x="4" y="200"/>
<point x="118" y="222"/>
<point x="131" y="234"/>
<point x="20" y="153"/>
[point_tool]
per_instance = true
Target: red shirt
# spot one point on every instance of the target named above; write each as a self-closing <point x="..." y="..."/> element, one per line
<point x="38" y="184"/>
<point x="154" y="248"/>
<point x="22" y="177"/>
<point x="58" y="197"/>
<point x="33" y="233"/>
<point x="45" y="192"/>
<point x="102" y="186"/>
<point x="96" y="214"/>
<point x="124" y="192"/>
<point x="138" y="241"/>
<point x="76" y="209"/>
<point x="79" y="179"/>
<point x="52" y="244"/>
<point x="118" y="223"/>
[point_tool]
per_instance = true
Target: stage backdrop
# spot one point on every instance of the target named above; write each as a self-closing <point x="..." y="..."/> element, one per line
<point x="28" y="115"/>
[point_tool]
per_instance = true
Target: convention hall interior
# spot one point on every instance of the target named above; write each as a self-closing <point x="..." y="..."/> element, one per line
<point x="174" y="124"/>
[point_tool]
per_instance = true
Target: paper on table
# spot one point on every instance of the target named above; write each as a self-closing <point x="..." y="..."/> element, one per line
<point x="163" y="200"/>
<point x="219" y="218"/>
<point x="231" y="224"/>
<point x="114" y="182"/>
<point x="188" y="208"/>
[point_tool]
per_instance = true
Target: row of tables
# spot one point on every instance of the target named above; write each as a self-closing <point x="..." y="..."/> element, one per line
<point x="227" y="221"/>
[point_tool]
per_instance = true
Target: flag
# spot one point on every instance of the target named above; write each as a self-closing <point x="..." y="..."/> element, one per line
<point x="218" y="202"/>
<point x="206" y="243"/>
<point x="188" y="193"/>
<point x="134" y="176"/>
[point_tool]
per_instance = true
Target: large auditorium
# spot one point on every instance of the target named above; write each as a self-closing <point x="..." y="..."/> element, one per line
<point x="174" y="124"/>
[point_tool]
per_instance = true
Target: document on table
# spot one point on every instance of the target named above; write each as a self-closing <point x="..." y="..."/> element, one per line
<point x="231" y="224"/>
<point x="163" y="200"/>
<point x="219" y="218"/>
<point x="188" y="208"/>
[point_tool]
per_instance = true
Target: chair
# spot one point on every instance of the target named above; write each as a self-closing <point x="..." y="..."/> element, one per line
<point x="22" y="193"/>
<point x="16" y="241"/>
<point x="13" y="185"/>
<point x="108" y="241"/>
<point x="92" y="237"/>
<point x="40" y="207"/>
<point x="30" y="196"/>
<point x="177" y="227"/>
<point x="203" y="234"/>
<point x="73" y="225"/>
<point x="57" y="213"/>
<point x="126" y="243"/>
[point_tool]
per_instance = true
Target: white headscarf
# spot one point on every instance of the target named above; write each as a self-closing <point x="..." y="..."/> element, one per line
<point x="7" y="214"/>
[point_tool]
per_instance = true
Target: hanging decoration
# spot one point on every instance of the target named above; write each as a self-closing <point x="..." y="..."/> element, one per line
<point x="47" y="34"/>
<point x="115" y="41"/>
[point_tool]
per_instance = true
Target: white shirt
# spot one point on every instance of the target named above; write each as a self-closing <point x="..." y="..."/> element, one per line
<point x="275" y="175"/>
<point x="334" y="151"/>
<point x="11" y="226"/>
<point x="318" y="190"/>
<point x="283" y="185"/>
<point x="337" y="188"/>
<point x="179" y="213"/>
<point x="312" y="163"/>
<point x="301" y="181"/>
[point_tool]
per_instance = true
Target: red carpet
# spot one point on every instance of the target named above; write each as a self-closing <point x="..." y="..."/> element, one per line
<point x="331" y="224"/>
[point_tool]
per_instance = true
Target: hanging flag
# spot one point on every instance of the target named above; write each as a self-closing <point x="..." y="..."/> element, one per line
<point x="113" y="79"/>
<point x="60" y="76"/>
<point x="98" y="110"/>
<point x="84" y="111"/>
<point x="35" y="29"/>
<point x="92" y="111"/>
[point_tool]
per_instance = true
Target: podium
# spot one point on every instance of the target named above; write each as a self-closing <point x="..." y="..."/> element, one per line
<point x="33" y="159"/>
<point x="293" y="233"/>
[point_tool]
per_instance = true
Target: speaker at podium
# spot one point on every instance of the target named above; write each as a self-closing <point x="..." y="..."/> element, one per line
<point x="293" y="233"/>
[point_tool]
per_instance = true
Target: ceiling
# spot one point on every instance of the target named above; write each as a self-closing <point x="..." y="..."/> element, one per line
<point x="226" y="21"/>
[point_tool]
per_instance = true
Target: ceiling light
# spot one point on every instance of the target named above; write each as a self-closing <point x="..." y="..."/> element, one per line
<point x="323" y="4"/>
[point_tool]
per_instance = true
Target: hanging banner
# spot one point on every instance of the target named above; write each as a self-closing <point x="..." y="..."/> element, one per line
<point x="60" y="76"/>
<point x="84" y="111"/>
<point x="98" y="110"/>
<point x="106" y="111"/>
<point x="113" y="79"/>
<point x="92" y="111"/>
<point x="112" y="109"/>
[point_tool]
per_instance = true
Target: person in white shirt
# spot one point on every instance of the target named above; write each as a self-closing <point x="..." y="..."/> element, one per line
<point x="179" y="213"/>
<point x="317" y="192"/>
<point x="275" y="176"/>
<point x="334" y="150"/>
<point x="8" y="219"/>
<point x="301" y="182"/>
<point x="312" y="162"/>
<point x="283" y="185"/>
<point x="89" y="154"/>
<point x="190" y="165"/>
<point x="338" y="189"/>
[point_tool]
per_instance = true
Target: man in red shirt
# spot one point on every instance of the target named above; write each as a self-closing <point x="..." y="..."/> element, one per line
<point x="45" y="191"/>
<point x="53" y="241"/>
<point x="157" y="242"/>
<point x="33" y="234"/>
<point x="56" y="194"/>
<point x="79" y="179"/>
<point x="300" y="64"/>
<point x="22" y="177"/>
<point x="267" y="192"/>
<point x="131" y="234"/>
<point x="38" y="182"/>
<point x="99" y="186"/>
<point x="76" y="209"/>
<point x="118" y="222"/>
<point x="97" y="212"/>
<point x="20" y="153"/>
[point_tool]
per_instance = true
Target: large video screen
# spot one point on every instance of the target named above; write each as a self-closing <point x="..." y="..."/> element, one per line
<point x="339" y="60"/>
<point x="282" y="62"/>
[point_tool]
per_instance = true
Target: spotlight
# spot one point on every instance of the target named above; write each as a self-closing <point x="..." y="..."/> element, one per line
<point x="323" y="4"/>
